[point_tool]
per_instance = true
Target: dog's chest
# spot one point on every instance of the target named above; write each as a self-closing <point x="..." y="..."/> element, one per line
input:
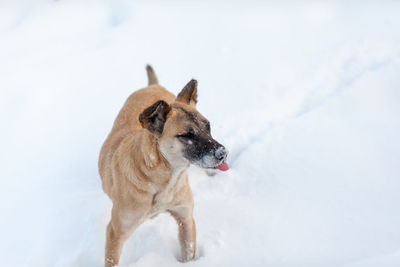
<point x="164" y="198"/>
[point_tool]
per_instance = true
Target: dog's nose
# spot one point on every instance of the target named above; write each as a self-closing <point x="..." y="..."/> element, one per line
<point x="221" y="153"/>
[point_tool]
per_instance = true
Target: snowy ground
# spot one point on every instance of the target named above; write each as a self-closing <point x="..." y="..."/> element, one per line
<point x="305" y="96"/>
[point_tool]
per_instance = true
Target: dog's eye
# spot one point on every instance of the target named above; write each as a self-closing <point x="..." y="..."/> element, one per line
<point x="188" y="135"/>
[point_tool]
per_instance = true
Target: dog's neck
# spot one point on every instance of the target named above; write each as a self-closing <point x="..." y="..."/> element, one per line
<point x="151" y="154"/>
<point x="174" y="158"/>
<point x="152" y="163"/>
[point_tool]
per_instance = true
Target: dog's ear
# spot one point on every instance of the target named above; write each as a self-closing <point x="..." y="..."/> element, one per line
<point x="188" y="95"/>
<point x="153" y="118"/>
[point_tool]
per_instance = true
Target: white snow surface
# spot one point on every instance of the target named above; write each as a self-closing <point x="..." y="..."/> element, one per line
<point x="305" y="95"/>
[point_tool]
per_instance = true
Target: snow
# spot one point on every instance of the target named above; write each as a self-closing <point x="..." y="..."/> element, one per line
<point x="304" y="96"/>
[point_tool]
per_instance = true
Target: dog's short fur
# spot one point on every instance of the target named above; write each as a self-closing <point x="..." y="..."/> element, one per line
<point x="143" y="163"/>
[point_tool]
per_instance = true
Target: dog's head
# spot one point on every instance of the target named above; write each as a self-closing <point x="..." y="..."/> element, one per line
<point x="183" y="134"/>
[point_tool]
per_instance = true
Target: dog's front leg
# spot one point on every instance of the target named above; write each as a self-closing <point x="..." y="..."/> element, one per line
<point x="187" y="231"/>
<point x="121" y="226"/>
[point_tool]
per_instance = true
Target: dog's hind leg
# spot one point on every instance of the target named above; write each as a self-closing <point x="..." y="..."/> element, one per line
<point x="187" y="231"/>
<point x="121" y="226"/>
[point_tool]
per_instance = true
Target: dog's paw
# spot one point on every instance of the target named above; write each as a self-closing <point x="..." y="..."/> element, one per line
<point x="189" y="252"/>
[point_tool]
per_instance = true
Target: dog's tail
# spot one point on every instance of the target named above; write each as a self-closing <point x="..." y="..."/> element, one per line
<point x="151" y="75"/>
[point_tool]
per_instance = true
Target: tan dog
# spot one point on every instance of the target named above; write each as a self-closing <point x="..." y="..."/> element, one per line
<point x="143" y="163"/>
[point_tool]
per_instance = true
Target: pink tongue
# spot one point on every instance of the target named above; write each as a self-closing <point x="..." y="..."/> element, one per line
<point x="223" y="167"/>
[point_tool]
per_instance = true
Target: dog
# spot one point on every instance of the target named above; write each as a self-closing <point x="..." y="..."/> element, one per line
<point x="144" y="160"/>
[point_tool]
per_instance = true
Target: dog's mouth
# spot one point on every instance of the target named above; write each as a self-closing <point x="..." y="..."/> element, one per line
<point x="223" y="166"/>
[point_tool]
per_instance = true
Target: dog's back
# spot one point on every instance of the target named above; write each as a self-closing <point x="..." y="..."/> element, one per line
<point x="127" y="123"/>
